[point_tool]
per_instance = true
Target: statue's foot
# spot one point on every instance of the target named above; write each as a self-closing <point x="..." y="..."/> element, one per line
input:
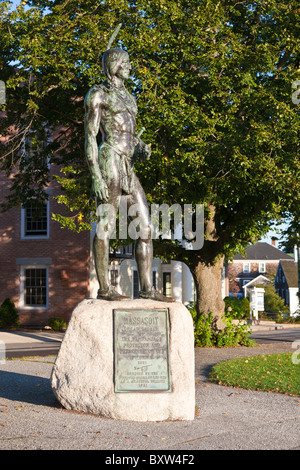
<point x="110" y="294"/>
<point x="154" y="295"/>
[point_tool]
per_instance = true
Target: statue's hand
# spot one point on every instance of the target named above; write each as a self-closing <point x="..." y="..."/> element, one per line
<point x="147" y="152"/>
<point x="100" y="189"/>
<point x="142" y="151"/>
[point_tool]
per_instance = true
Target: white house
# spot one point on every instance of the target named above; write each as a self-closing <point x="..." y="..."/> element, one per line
<point x="173" y="278"/>
<point x="286" y="283"/>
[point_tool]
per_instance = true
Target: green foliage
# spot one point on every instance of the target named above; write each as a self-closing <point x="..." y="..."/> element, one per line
<point x="204" y="330"/>
<point x="207" y="334"/>
<point x="286" y="318"/>
<point x="213" y="83"/>
<point x="9" y="317"/>
<point x="273" y="303"/>
<point x="271" y="373"/>
<point x="234" y="334"/>
<point x="57" y="324"/>
<point x="240" y="307"/>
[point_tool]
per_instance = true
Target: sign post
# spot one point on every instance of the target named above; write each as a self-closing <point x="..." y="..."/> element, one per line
<point x="256" y="301"/>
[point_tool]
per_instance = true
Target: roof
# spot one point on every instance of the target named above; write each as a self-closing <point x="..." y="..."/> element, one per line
<point x="257" y="280"/>
<point x="290" y="270"/>
<point x="263" y="251"/>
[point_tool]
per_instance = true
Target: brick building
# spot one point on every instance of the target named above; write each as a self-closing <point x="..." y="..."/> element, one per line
<point x="47" y="270"/>
<point x="262" y="259"/>
<point x="44" y="269"/>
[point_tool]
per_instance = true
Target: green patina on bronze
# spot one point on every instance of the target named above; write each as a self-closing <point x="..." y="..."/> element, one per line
<point x="141" y="350"/>
<point x="110" y="112"/>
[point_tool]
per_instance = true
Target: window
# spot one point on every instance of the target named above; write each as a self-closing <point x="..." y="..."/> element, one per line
<point x="262" y="267"/>
<point x="154" y="279"/>
<point x="167" y="285"/>
<point x="135" y="284"/>
<point x="35" y="221"/>
<point x="34" y="150"/>
<point x="246" y="267"/>
<point x="114" y="275"/>
<point x="128" y="250"/>
<point x="34" y="286"/>
<point x="122" y="251"/>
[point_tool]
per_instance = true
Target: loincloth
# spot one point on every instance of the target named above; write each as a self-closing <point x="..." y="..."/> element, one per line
<point x="126" y="172"/>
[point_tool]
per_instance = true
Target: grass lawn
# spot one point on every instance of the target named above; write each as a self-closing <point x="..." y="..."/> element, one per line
<point x="271" y="373"/>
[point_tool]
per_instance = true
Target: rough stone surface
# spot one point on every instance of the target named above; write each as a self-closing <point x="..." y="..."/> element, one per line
<point x="83" y="374"/>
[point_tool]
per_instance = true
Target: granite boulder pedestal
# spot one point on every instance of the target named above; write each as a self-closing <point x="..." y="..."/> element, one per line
<point x="84" y="374"/>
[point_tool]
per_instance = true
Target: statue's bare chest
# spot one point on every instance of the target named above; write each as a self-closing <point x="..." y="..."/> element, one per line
<point x="119" y="112"/>
<point x="119" y="102"/>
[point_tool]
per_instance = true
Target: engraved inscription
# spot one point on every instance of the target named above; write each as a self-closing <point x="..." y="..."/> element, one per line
<point x="141" y="343"/>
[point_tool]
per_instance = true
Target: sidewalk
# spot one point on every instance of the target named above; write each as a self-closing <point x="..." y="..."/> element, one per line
<point x="48" y="336"/>
<point x="265" y="325"/>
<point x="17" y="336"/>
<point x="226" y="418"/>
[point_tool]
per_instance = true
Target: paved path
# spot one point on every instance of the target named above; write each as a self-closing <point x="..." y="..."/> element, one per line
<point x="226" y="418"/>
<point x="19" y="343"/>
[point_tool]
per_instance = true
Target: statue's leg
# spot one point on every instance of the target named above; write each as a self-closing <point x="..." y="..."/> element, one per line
<point x="106" y="224"/>
<point x="101" y="257"/>
<point x="143" y="244"/>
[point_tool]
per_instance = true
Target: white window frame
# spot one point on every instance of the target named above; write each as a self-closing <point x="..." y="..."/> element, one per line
<point x="22" y="287"/>
<point x="34" y="237"/>
<point x="245" y="268"/>
<point x="155" y="271"/>
<point x="171" y="286"/>
<point x="132" y="282"/>
<point x="115" y="268"/>
<point x="262" y="267"/>
<point x="27" y="141"/>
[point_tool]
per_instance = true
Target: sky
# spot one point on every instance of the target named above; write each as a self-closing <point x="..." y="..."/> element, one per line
<point x="15" y="3"/>
<point x="274" y="233"/>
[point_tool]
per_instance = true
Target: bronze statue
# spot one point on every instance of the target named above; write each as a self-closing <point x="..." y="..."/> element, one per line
<point x="111" y="111"/>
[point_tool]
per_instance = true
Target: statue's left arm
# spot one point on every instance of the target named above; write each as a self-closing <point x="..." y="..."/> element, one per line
<point x="142" y="150"/>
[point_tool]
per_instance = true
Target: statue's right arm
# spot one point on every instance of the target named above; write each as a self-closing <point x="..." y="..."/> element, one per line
<point x="93" y="101"/>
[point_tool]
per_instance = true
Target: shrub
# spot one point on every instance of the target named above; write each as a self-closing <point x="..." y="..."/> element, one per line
<point x="295" y="318"/>
<point x="204" y="331"/>
<point x="57" y="324"/>
<point x="9" y="317"/>
<point x="234" y="334"/>
<point x="273" y="302"/>
<point x="207" y="334"/>
<point x="240" y="307"/>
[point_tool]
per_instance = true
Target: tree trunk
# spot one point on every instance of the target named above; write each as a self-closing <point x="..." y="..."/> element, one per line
<point x="206" y="266"/>
<point x="208" y="283"/>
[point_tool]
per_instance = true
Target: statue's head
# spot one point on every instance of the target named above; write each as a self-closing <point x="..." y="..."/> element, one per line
<point x="112" y="60"/>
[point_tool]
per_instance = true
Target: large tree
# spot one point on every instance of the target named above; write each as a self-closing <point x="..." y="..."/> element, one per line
<point x="213" y="82"/>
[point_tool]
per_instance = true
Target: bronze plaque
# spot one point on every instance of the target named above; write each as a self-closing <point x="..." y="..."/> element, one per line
<point x="141" y="350"/>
